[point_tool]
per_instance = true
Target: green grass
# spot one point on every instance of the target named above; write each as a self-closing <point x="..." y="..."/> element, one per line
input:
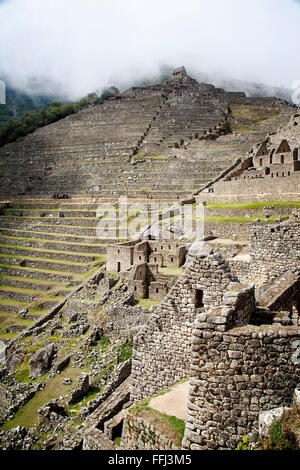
<point x="251" y="205"/>
<point x="162" y="420"/>
<point x="68" y="226"/>
<point x="171" y="271"/>
<point x="48" y="240"/>
<point x="48" y="217"/>
<point x="45" y="250"/>
<point x="31" y="280"/>
<point x="245" y="219"/>
<point x="150" y="156"/>
<point x="14" y="303"/>
<point x="124" y="351"/>
<point x="82" y="277"/>
<point x="74" y="408"/>
<point x="7" y="336"/>
<point x="249" y="116"/>
<point x="41" y="270"/>
<point x="117" y="441"/>
<point x="146" y="303"/>
<point x="45" y="260"/>
<point x="51" y="233"/>
<point x="27" y="415"/>
<point x="21" y="290"/>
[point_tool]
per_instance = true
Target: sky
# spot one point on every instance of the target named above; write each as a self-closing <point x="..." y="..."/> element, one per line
<point x="73" y="47"/>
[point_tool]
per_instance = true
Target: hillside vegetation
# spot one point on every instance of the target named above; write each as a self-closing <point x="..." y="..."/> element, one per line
<point x="242" y="118"/>
<point x="31" y="120"/>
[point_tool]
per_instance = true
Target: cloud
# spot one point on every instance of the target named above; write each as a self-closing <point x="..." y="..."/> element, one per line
<point x="73" y="47"/>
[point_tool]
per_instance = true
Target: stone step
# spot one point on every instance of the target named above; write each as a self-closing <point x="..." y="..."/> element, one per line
<point x="53" y="205"/>
<point x="39" y="234"/>
<point x="21" y="251"/>
<point x="36" y="273"/>
<point x="13" y="306"/>
<point x="43" y="263"/>
<point x="47" y="244"/>
<point x="45" y="301"/>
<point x="27" y="291"/>
<point x="48" y="213"/>
<point x="78" y="221"/>
<point x="59" y="229"/>
<point x="29" y="284"/>
<point x="18" y="294"/>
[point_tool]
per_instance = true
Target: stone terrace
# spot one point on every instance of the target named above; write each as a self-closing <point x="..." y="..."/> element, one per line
<point x="152" y="142"/>
<point x="46" y="250"/>
<point x="160" y="143"/>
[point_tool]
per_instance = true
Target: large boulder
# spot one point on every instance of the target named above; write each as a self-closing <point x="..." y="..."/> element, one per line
<point x="199" y="249"/>
<point x="14" y="360"/>
<point x="267" y="419"/>
<point x="41" y="361"/>
<point x="2" y="352"/>
<point x="105" y="285"/>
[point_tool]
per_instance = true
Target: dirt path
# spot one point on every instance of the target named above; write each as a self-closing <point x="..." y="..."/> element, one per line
<point x="174" y="402"/>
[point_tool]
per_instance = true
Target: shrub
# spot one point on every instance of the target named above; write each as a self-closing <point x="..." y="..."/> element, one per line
<point x="244" y="444"/>
<point x="278" y="439"/>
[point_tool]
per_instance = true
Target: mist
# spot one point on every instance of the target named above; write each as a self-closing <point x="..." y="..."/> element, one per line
<point x="69" y="48"/>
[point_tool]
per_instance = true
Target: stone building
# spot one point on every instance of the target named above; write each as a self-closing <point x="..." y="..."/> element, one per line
<point x="179" y="72"/>
<point x="144" y="258"/>
<point x="270" y="161"/>
<point x="274" y="161"/>
<point x="271" y="168"/>
<point x="242" y="359"/>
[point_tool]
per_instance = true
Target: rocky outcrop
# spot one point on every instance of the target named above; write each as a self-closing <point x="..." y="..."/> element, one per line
<point x="41" y="361"/>
<point x="268" y="418"/>
<point x="14" y="360"/>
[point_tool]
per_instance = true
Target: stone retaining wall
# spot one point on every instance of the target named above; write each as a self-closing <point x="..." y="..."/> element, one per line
<point x="139" y="434"/>
<point x="274" y="250"/>
<point x="235" y="375"/>
<point x="287" y="188"/>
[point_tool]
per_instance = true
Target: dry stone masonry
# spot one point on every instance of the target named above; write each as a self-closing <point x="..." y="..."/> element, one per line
<point x="209" y="328"/>
<point x="230" y="324"/>
<point x="271" y="168"/>
<point x="162" y="348"/>
<point x="161" y="141"/>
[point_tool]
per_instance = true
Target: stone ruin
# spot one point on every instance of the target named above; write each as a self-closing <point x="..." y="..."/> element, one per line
<point x="242" y="359"/>
<point x="111" y="149"/>
<point x="271" y="167"/>
<point x="271" y="161"/>
<point x="140" y="260"/>
<point x="233" y="329"/>
<point x="180" y="72"/>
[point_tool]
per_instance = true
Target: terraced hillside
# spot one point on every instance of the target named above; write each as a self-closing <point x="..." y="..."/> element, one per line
<point x="45" y="252"/>
<point x="157" y="142"/>
<point x="47" y="249"/>
<point x="161" y="142"/>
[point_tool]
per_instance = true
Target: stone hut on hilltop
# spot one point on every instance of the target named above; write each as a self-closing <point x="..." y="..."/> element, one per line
<point x="180" y="72"/>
